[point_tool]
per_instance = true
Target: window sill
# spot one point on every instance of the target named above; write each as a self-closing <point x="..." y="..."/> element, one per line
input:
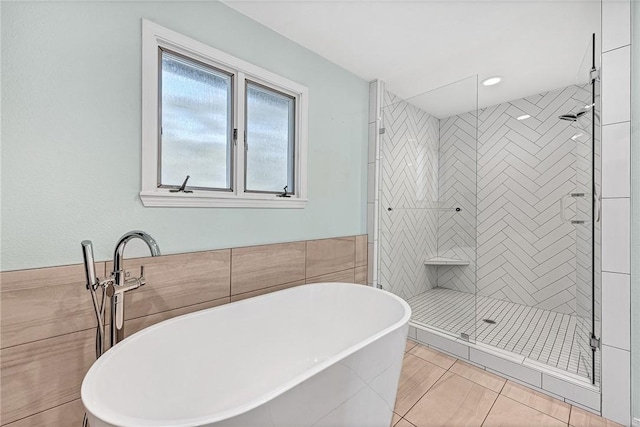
<point x="206" y="200"/>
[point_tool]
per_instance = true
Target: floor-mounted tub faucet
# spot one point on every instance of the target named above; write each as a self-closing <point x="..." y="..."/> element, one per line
<point x="121" y="284"/>
<point x="114" y="287"/>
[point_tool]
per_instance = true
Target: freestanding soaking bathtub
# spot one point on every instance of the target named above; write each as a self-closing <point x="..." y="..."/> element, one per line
<point x="326" y="354"/>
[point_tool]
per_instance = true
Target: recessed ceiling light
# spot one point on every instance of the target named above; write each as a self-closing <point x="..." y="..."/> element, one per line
<point x="492" y="81"/>
<point x="523" y="117"/>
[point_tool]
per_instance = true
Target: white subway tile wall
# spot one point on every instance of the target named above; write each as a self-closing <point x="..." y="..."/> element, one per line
<point x="616" y="86"/>
<point x="616" y="113"/>
<point x="616" y="160"/>
<point x="616" y="310"/>
<point x="616" y="29"/>
<point x="616" y="245"/>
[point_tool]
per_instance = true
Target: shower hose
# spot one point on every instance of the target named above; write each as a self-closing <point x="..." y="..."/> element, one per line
<point x="99" y="311"/>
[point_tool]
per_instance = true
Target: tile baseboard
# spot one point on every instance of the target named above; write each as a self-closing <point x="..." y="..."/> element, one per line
<point x="570" y="388"/>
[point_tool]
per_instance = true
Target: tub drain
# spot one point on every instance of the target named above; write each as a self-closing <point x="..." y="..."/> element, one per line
<point x="489" y="321"/>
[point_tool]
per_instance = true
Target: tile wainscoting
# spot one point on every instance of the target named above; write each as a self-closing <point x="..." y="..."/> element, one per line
<point x="48" y="326"/>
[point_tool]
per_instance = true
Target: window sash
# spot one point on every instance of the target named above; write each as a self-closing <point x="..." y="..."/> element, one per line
<point x="292" y="137"/>
<point x="230" y="157"/>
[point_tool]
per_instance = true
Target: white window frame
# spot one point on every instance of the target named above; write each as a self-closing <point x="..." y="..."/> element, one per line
<point x="155" y="37"/>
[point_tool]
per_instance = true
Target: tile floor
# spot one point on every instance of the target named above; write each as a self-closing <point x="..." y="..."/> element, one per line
<point x="436" y="389"/>
<point x="551" y="337"/>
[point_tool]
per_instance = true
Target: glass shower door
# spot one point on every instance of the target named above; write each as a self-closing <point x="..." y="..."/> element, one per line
<point x="428" y="205"/>
<point x="587" y="221"/>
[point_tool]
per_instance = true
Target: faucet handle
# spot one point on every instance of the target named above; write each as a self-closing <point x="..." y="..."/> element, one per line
<point x="141" y="279"/>
<point x="110" y="289"/>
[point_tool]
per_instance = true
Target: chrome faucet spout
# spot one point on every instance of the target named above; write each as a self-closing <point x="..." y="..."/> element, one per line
<point x="118" y="254"/>
<point x="121" y="284"/>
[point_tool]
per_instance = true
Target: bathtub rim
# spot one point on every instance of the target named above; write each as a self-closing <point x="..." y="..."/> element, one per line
<point x="109" y="416"/>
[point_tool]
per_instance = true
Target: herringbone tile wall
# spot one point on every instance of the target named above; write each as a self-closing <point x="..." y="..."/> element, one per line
<point x="409" y="186"/>
<point x="525" y="252"/>
<point x="457" y="179"/>
<point x="520" y="170"/>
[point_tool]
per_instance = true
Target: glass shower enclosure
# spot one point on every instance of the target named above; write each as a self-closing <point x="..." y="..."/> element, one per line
<point x="488" y="218"/>
<point x="428" y="205"/>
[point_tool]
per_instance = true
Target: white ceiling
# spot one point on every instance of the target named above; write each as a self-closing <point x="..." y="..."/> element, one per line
<point x="418" y="46"/>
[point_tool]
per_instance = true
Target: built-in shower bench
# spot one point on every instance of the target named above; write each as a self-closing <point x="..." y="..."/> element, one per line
<point x="446" y="261"/>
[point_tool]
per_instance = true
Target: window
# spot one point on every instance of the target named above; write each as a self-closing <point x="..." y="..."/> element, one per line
<point x="270" y="146"/>
<point x="196" y="124"/>
<point x="237" y="131"/>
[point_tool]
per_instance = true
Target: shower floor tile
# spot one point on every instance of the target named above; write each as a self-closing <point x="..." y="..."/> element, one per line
<point x="541" y="335"/>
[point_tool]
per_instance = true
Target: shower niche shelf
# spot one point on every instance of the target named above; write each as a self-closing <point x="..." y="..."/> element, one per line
<point x="446" y="261"/>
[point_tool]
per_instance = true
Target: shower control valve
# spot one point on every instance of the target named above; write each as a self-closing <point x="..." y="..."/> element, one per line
<point x="128" y="285"/>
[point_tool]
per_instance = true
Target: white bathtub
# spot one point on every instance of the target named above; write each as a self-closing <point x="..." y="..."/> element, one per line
<point x="325" y="354"/>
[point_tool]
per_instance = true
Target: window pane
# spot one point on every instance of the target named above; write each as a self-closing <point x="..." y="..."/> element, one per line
<point x="196" y="124"/>
<point x="270" y="140"/>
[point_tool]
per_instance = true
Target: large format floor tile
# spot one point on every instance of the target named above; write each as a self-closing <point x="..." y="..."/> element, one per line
<point x="395" y="419"/>
<point x="437" y="358"/>
<point x="438" y="390"/>
<point x="537" y="400"/>
<point x="479" y="376"/>
<point x="416" y="379"/>
<point x="404" y="423"/>
<point x="509" y="413"/>
<point x="453" y="401"/>
<point x="582" y="418"/>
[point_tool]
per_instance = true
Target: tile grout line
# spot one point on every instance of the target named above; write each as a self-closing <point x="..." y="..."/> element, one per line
<point x="44" y="410"/>
<point x="529" y="406"/>
<point x="490" y="409"/>
<point x="570" y="412"/>
<point x="429" y="361"/>
<point x="537" y="410"/>
<point x="230" y="273"/>
<point x="427" y="391"/>
<point x="499" y="393"/>
<point x="58" y="336"/>
<point x="326" y="274"/>
<point x="475" y="382"/>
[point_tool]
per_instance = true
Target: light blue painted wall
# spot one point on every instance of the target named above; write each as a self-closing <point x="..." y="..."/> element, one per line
<point x="635" y="209"/>
<point x="71" y="133"/>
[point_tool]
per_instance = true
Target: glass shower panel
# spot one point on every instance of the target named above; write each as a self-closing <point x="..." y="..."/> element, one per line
<point x="428" y="205"/>
<point x="535" y="266"/>
<point x="586" y="220"/>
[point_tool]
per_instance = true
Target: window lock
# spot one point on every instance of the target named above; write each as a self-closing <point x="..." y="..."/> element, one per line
<point x="182" y="187"/>
<point x="284" y="193"/>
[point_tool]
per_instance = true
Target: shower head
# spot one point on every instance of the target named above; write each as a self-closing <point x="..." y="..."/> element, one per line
<point x="571" y="117"/>
<point x="568" y="117"/>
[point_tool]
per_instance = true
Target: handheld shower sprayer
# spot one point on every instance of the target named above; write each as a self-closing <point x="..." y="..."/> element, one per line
<point x="93" y="282"/>
<point x="89" y="264"/>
